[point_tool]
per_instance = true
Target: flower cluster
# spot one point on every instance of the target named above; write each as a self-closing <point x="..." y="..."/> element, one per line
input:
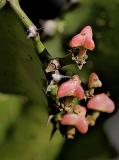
<point x="75" y="106"/>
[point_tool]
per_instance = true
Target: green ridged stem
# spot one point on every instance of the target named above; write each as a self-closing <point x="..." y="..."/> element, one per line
<point x="14" y="4"/>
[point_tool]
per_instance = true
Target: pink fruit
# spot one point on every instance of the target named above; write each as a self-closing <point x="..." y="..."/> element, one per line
<point x="69" y="119"/>
<point x="71" y="87"/>
<point x="79" y="122"/>
<point x="83" y="39"/>
<point x="80" y="110"/>
<point x="82" y="125"/>
<point x="101" y="102"/>
<point x="94" y="81"/>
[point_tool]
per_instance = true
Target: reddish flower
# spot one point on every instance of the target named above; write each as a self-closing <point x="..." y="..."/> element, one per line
<point x="83" y="39"/>
<point x="101" y="102"/>
<point x="94" y="81"/>
<point x="71" y="87"/>
<point x="79" y="122"/>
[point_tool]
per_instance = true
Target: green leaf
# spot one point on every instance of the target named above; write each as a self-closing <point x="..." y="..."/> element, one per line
<point x="10" y="106"/>
<point x="24" y="134"/>
<point x="20" y="68"/>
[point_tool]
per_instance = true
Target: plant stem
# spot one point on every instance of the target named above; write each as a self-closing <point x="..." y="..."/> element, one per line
<point x="43" y="53"/>
<point x="92" y="118"/>
<point x="14" y="4"/>
<point x="39" y="45"/>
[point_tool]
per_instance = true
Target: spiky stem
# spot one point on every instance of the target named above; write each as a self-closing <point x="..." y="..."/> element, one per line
<point x="14" y="4"/>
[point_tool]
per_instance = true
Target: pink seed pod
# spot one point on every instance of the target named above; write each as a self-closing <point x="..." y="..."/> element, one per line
<point x="82" y="125"/>
<point x="94" y="81"/>
<point x="71" y="87"/>
<point x="79" y="122"/>
<point x="80" y="110"/>
<point x="101" y="102"/>
<point x="69" y="119"/>
<point x="83" y="39"/>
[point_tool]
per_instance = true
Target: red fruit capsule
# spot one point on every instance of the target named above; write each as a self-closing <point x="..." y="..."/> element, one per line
<point x="71" y="87"/>
<point x="82" y="125"/>
<point x="101" y="102"/>
<point x="69" y="119"/>
<point x="80" y="110"/>
<point x="94" y="81"/>
<point x="83" y="39"/>
<point x="79" y="122"/>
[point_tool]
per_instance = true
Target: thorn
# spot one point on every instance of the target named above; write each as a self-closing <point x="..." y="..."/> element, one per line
<point x="32" y="32"/>
<point x="53" y="132"/>
<point x="49" y="119"/>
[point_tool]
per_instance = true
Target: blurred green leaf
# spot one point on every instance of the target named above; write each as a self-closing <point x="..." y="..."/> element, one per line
<point x="24" y="134"/>
<point x="21" y="71"/>
<point x="10" y="106"/>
